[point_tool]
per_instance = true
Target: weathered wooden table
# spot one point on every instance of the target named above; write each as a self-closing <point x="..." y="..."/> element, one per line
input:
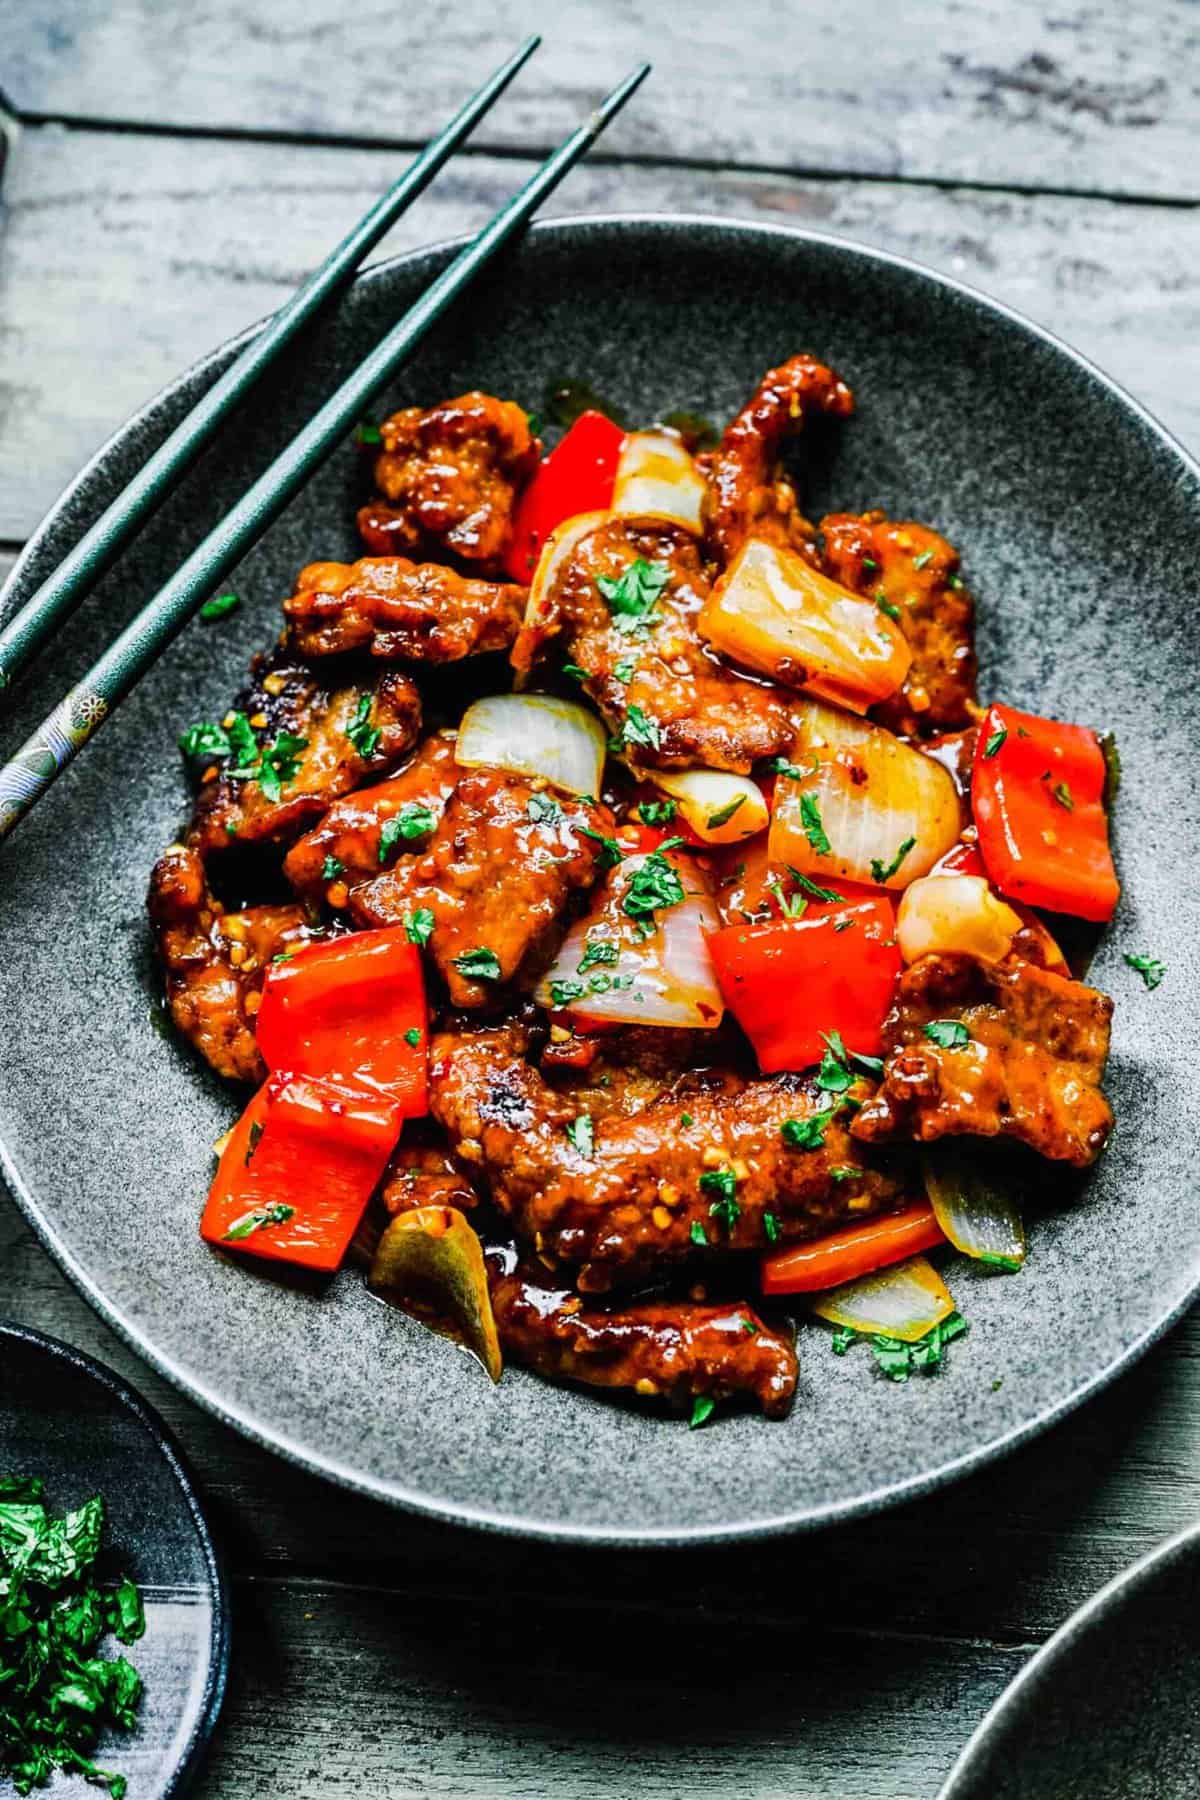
<point x="172" y="172"/>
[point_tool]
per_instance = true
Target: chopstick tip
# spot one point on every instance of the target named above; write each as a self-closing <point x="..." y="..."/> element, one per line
<point x="612" y="103"/>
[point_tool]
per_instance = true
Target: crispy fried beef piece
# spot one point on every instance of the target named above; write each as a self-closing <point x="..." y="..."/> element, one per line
<point x="497" y="875"/>
<point x="287" y="698"/>
<point x="748" y="495"/>
<point x="916" y="573"/>
<point x="650" y="1184"/>
<point x="400" y="611"/>
<point x="673" y="1349"/>
<point x="215" y="961"/>
<point x="1031" y="1069"/>
<point x="673" y="703"/>
<point x="345" y="847"/>
<point x="448" y="478"/>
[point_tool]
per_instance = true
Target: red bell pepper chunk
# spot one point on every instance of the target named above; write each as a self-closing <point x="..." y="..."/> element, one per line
<point x="352" y="1009"/>
<point x="788" y="982"/>
<point x="300" y="1165"/>
<point x="577" y="477"/>
<point x="856" y="1250"/>
<point x="1038" y="805"/>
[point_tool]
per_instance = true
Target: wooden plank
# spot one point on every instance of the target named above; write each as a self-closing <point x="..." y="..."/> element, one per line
<point x="343" y="1690"/>
<point x="1001" y="1558"/>
<point x="126" y="257"/>
<point x="1098" y="96"/>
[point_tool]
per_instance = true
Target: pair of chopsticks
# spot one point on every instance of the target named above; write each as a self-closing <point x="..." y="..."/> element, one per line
<point x="61" y="736"/>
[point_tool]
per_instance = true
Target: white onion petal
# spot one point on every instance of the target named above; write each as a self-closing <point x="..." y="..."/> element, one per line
<point x="954" y="913"/>
<point x="867" y="794"/>
<point x="720" y="808"/>
<point x="534" y="734"/>
<point x="774" y="612"/>
<point x="905" y="1301"/>
<point x="973" y="1206"/>
<point x="662" y="978"/>
<point x="656" y="478"/>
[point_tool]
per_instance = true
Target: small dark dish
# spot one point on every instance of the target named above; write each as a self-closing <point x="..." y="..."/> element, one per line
<point x="1075" y="514"/>
<point x="75" y="1424"/>
<point x="1107" y="1710"/>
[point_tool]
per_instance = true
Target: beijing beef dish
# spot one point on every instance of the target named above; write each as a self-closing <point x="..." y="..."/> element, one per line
<point x="618" y="902"/>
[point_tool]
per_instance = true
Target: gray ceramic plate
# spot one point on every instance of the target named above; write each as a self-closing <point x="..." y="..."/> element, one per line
<point x="1109" y="1708"/>
<point x="74" y="1423"/>
<point x="1079" y="522"/>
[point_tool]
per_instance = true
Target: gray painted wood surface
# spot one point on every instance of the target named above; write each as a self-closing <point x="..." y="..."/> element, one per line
<point x="388" y="1654"/>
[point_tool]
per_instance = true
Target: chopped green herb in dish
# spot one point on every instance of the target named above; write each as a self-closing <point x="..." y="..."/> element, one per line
<point x="60" y="1689"/>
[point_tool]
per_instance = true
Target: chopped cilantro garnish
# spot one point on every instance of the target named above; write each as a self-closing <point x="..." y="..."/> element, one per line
<point x="723" y="1183"/>
<point x="656" y="812"/>
<point x="886" y="606"/>
<point x="624" y="669"/>
<point x="257" y="1221"/>
<point x="868" y="562"/>
<point x="595" y="951"/>
<point x="479" y="965"/>
<point x="781" y="766"/>
<point x="810" y="887"/>
<point x="698" y="1235"/>
<point x="630" y="596"/>
<point x="703" y="1407"/>
<point x="1148" y="967"/>
<point x="255" y="1132"/>
<point x="580" y="1134"/>
<point x="654" y="884"/>
<point x="919" y="562"/>
<point x="996" y="741"/>
<point x="533" y="424"/>
<point x="948" y="1034"/>
<point x="881" y="871"/>
<point x="574" y="671"/>
<point x="792" y="906"/>
<point x="233" y="738"/>
<point x="280" y="763"/>
<point x="543" y="809"/>
<point x="368" y="432"/>
<point x="770" y="1227"/>
<point x="640" y="729"/>
<point x="685" y="1119"/>
<point x="60" y="1691"/>
<point x="833" y="1074"/>
<point x="418" y="926"/>
<point x="809" y="1133"/>
<point x="413" y="1036"/>
<point x="873" y="1065"/>
<point x="1063" y="795"/>
<point x="332" y="867"/>
<point x="898" y="1360"/>
<point x="611" y="852"/>
<point x="412" y="821"/>
<point x="220" y="606"/>
<point x="363" y="735"/>
<point x="812" y="826"/>
<point x="845" y="1172"/>
<point x="723" y="815"/>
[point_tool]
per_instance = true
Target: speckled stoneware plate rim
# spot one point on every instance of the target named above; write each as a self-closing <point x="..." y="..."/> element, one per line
<point x="1021" y="1692"/>
<point x="392" y="1492"/>
<point x="167" y="1447"/>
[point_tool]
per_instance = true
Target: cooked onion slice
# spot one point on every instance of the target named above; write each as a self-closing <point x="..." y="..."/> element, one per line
<point x="905" y="1301"/>
<point x="610" y="967"/>
<point x="534" y="734"/>
<point x="949" y="913"/>
<point x="972" y="1204"/>
<point x="774" y="612"/>
<point x="657" y="478"/>
<point x="721" y="809"/>
<point x="430" y="1262"/>
<point x="555" y="554"/>
<point x="864" y="806"/>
